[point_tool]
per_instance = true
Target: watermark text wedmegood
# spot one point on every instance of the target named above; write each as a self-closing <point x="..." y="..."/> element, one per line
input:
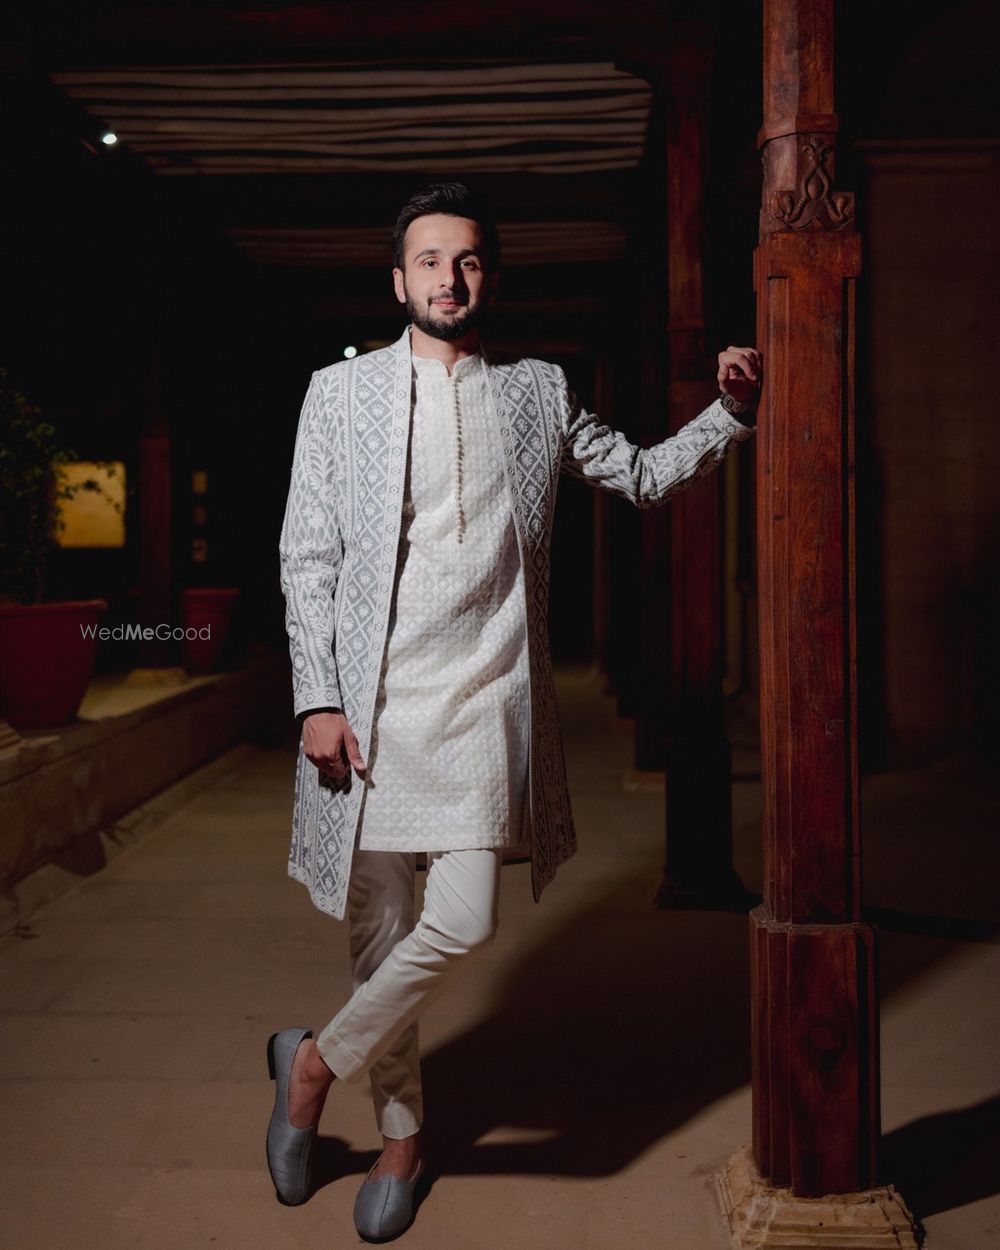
<point x="134" y="632"/>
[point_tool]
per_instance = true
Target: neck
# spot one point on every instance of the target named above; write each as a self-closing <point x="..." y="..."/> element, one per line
<point x="450" y="351"/>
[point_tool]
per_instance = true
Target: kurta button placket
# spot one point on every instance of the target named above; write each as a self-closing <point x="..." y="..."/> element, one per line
<point x="459" y="459"/>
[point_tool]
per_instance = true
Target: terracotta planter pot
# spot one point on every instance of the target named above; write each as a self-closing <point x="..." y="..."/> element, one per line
<point x="47" y="653"/>
<point x="208" y="616"/>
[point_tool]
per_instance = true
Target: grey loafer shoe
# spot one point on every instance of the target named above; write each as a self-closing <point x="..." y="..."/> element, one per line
<point x="384" y="1208"/>
<point x="289" y="1149"/>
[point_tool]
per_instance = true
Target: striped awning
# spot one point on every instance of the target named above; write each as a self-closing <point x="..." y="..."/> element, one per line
<point x="567" y="117"/>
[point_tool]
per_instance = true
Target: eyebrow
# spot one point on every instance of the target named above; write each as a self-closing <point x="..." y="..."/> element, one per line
<point x="436" y="251"/>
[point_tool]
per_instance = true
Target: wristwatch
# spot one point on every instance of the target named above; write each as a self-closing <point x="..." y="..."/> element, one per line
<point x="738" y="407"/>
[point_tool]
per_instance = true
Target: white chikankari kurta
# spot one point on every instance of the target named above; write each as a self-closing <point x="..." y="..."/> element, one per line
<point x="447" y="766"/>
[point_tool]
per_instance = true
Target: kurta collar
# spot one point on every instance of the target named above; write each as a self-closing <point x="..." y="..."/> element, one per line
<point x="428" y="366"/>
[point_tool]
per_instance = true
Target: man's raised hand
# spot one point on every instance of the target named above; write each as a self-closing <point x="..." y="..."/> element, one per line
<point x="740" y="372"/>
<point x="329" y="742"/>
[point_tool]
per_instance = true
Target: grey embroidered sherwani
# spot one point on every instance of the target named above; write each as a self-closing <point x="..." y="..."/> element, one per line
<point x="338" y="548"/>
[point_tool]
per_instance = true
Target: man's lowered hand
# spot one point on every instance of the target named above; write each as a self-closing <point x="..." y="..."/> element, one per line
<point x="329" y="742"/>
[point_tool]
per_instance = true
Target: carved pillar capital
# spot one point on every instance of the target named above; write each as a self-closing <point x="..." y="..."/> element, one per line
<point x="798" y="189"/>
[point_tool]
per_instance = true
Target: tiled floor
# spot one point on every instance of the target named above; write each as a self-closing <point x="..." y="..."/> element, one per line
<point x="581" y="1087"/>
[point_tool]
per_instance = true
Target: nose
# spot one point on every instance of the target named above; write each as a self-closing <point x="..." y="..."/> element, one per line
<point x="450" y="277"/>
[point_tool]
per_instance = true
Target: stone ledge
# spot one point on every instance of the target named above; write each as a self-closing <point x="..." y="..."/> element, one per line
<point x="72" y="797"/>
<point x="761" y="1217"/>
<point x="89" y="853"/>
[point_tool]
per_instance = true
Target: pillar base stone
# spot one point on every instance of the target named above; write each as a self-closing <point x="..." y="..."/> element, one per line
<point x="761" y="1216"/>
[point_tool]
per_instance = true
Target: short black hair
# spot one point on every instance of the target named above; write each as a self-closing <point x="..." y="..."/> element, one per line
<point x="457" y="200"/>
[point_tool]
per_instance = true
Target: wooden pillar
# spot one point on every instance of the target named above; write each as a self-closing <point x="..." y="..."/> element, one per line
<point x="601" y="595"/>
<point x="156" y="601"/>
<point x="622" y="537"/>
<point x="813" y="961"/>
<point x="652" y="636"/>
<point x="699" y="868"/>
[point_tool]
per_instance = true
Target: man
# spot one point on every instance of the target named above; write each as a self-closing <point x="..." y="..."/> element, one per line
<point x="415" y="564"/>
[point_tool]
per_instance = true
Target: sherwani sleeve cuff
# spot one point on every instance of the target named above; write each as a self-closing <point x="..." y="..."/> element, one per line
<point x="314" y="706"/>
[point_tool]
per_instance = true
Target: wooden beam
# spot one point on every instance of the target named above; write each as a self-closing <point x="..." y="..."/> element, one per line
<point x="399" y="29"/>
<point x="360" y="200"/>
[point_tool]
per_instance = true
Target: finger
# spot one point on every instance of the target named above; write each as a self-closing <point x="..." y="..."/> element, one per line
<point x="735" y="358"/>
<point x="726" y="361"/>
<point x="330" y="768"/>
<point x="746" y="362"/>
<point x="739" y="354"/>
<point x="353" y="751"/>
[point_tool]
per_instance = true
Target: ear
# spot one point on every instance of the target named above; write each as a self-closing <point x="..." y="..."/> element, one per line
<point x="397" y="282"/>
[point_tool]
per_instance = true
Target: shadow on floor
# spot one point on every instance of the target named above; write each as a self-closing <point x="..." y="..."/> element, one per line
<point x="621" y="1028"/>
<point x="945" y="1161"/>
<point x="624" y="1026"/>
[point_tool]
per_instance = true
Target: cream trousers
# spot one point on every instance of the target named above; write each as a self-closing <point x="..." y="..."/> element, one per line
<point x="399" y="967"/>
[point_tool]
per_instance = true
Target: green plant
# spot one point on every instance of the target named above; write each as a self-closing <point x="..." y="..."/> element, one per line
<point x="31" y="488"/>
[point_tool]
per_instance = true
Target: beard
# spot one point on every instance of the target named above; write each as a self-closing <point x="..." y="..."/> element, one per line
<point x="446" y="328"/>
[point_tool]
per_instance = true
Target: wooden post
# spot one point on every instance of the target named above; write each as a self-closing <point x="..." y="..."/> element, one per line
<point x="699" y="870"/>
<point x="601" y="597"/>
<point x="813" y="961"/>
<point x="652" y="694"/>
<point x="156" y="601"/>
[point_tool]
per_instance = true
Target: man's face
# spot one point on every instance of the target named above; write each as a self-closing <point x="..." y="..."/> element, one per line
<point x="445" y="287"/>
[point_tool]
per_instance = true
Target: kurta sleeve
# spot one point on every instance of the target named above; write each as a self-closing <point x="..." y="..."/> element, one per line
<point x="310" y="552"/>
<point x="595" y="453"/>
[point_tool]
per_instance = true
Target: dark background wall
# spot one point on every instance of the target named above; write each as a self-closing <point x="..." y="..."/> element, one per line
<point x="128" y="304"/>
